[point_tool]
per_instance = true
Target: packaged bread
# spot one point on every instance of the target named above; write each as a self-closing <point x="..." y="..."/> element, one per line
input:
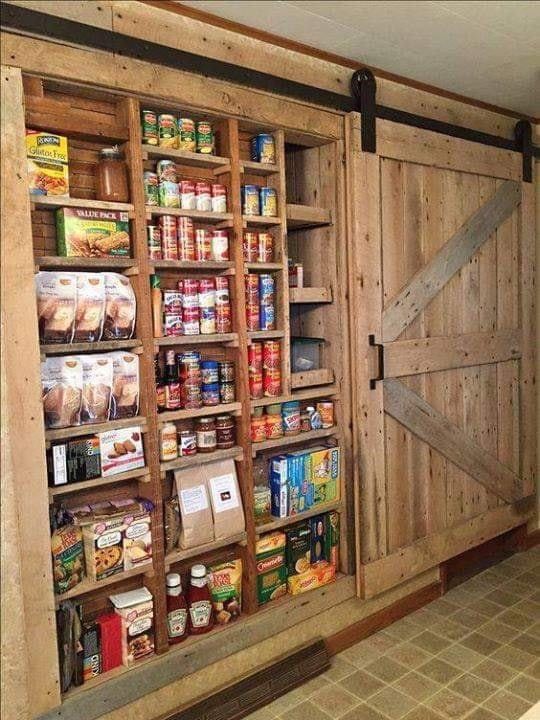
<point x="125" y="388"/>
<point x="56" y="301"/>
<point x="90" y="307"/>
<point x="97" y="388"/>
<point x="120" y="307"/>
<point x="62" y="384"/>
<point x="197" y="526"/>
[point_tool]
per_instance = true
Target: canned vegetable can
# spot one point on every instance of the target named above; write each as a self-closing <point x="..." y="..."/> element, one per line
<point x="151" y="188"/>
<point x="149" y="125"/>
<point x="205" y="138"/>
<point x="167" y="131"/>
<point x="186" y="132"/>
<point x="250" y="200"/>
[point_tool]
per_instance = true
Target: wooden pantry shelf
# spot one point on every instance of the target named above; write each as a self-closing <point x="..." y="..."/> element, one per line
<point x="260" y="220"/>
<point x="88" y="586"/>
<point x="308" y="378"/>
<point x="140" y="474"/>
<point x="203" y="266"/>
<point x="276" y="523"/>
<point x="196" y="339"/>
<point x="265" y="334"/>
<point x="109" y="675"/>
<point x="99" y="346"/>
<point x="263" y="266"/>
<point x="293" y="440"/>
<point x="90" y="263"/>
<point x="307" y="216"/>
<point x="50" y="202"/>
<point x="234" y="453"/>
<point x="200" y="215"/>
<point x="78" y="430"/>
<point x="304" y="394"/>
<point x="251" y="167"/>
<point x="222" y="409"/>
<point x="180" y="555"/>
<point x="185" y="157"/>
<point x="310" y="295"/>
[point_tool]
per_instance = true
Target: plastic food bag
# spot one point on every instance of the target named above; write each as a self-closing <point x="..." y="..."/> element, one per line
<point x="90" y="307"/>
<point x="56" y="301"/>
<point x="125" y="391"/>
<point x="97" y="388"/>
<point x="62" y="384"/>
<point x="120" y="308"/>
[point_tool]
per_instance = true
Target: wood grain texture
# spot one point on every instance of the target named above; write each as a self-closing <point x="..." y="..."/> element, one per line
<point x="402" y="309"/>
<point x="432" y="427"/>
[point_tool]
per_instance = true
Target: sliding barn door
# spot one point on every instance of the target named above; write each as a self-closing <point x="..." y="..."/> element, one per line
<point x="441" y="290"/>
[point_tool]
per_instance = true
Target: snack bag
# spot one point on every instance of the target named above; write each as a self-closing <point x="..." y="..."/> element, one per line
<point x="120" y="307"/>
<point x="67" y="551"/>
<point x="90" y="307"/>
<point x="125" y="390"/>
<point x="97" y="388"/>
<point x="225" y="583"/>
<point x="62" y="384"/>
<point x="56" y="300"/>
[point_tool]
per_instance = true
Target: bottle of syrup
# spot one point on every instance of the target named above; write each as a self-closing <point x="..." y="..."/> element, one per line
<point x="173" y="398"/>
<point x="160" y="385"/>
<point x="201" y="618"/>
<point x="177" y="609"/>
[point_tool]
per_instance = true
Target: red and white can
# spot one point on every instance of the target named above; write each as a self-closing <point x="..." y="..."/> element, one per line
<point x="255" y="356"/>
<point x="272" y="383"/>
<point x="186" y="239"/>
<point x="219" y="198"/>
<point x="220" y="245"/>
<point x="154" y="242"/>
<point x="252" y="317"/>
<point x="203" y="196"/>
<point x="169" y="237"/>
<point x="190" y="293"/>
<point x="223" y="318"/>
<point x="271" y="355"/>
<point x="252" y="288"/>
<point x="250" y="247"/>
<point x="187" y="195"/>
<point x="222" y="290"/>
<point x="190" y="319"/>
<point x="203" y="245"/>
<point x="265" y="247"/>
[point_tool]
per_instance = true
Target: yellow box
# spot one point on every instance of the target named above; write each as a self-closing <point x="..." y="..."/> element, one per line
<point x="320" y="574"/>
<point x="47" y="161"/>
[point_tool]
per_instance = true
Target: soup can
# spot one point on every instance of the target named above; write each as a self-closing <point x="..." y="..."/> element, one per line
<point x="255" y="356"/>
<point x="268" y="202"/>
<point x="265" y="247"/>
<point x="267" y="289"/>
<point x="222" y="290"/>
<point x="187" y="195"/>
<point x="220" y="245"/>
<point x="166" y="171"/>
<point x="190" y="293"/>
<point x="271" y="355"/>
<point x="186" y="239"/>
<point x="203" y="245"/>
<point x="190" y="318"/>
<point x="203" y="196"/>
<point x="272" y="383"/>
<point x="186" y="134"/>
<point x="154" y="242"/>
<point x="267" y="317"/>
<point x="151" y="188"/>
<point x="167" y="131"/>
<point x="169" y="195"/>
<point x="252" y="317"/>
<point x="263" y="149"/>
<point x="169" y="237"/>
<point x="252" y="288"/>
<point x="172" y="302"/>
<point x="250" y="247"/>
<point x="250" y="200"/>
<point x="255" y="385"/>
<point x="149" y="127"/>
<point x="207" y="320"/>
<point x="219" y="198"/>
<point x="223" y="319"/>
<point x="205" y="138"/>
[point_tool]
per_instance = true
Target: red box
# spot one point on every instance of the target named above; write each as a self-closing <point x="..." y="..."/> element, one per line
<point x="111" y="640"/>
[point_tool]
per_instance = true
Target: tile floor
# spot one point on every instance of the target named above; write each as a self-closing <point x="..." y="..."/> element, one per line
<point x="474" y="653"/>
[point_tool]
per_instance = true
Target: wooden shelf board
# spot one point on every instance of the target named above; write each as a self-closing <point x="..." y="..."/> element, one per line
<point x="306" y="216"/>
<point x="190" y="265"/>
<point x="196" y="339"/>
<point x="262" y="266"/>
<point x="179" y="555"/>
<point x="185" y="157"/>
<point x="309" y="378"/>
<point x="310" y="295"/>
<point x="303" y="394"/>
<point x="69" y="432"/>
<point x="304" y="437"/>
<point x="139" y="474"/>
<point x="235" y="453"/>
<point x="200" y="215"/>
<point x="50" y="202"/>
<point x="251" y="167"/>
<point x="100" y="346"/>
<point x="223" y="409"/>
<point x="88" y="586"/>
<point x="107" y="676"/>
<point x="92" y="263"/>
<point x="276" y="523"/>
<point x="260" y="220"/>
<point x="265" y="334"/>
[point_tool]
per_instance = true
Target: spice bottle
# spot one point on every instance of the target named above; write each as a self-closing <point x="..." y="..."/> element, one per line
<point x="177" y="609"/>
<point x="111" y="176"/>
<point x="199" y="602"/>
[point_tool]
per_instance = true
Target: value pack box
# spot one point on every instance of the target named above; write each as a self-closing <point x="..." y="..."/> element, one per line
<point x="325" y="474"/>
<point x="300" y="480"/>
<point x="47" y="163"/>
<point x="271" y="567"/>
<point x="88" y="232"/>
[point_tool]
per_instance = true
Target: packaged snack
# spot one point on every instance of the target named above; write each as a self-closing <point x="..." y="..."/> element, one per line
<point x="136" y="609"/>
<point x="121" y="450"/>
<point x="90" y="307"/>
<point x="227" y="509"/>
<point x="271" y="568"/>
<point x="97" y="387"/>
<point x="68" y="558"/>
<point x="171" y="523"/>
<point x="57" y="301"/>
<point x="331" y="539"/>
<point x="137" y="541"/>
<point x="87" y="232"/>
<point x="298" y="549"/>
<point x="120" y="307"/>
<point x="91" y="651"/>
<point x="110" y="629"/>
<point x="318" y="575"/>
<point x="62" y="384"/>
<point x="279" y="488"/>
<point x="47" y="161"/>
<point x="318" y="533"/>
<point x="225" y="583"/>
<point x="103" y="547"/>
<point x="325" y="474"/>
<point x="74" y="461"/>
<point x="195" y="511"/>
<point x="125" y="392"/>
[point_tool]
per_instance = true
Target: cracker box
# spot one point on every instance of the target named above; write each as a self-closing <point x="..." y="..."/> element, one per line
<point x="136" y="609"/>
<point x="121" y="450"/>
<point x="271" y="568"/>
<point x="298" y="548"/>
<point x="325" y="474"/>
<point x="87" y="232"/>
<point x="318" y="575"/>
<point x="47" y="163"/>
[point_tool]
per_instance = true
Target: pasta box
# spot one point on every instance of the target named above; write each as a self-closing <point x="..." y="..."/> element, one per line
<point x="88" y="232"/>
<point x="271" y="568"/>
<point x="47" y="163"/>
<point x="319" y="574"/>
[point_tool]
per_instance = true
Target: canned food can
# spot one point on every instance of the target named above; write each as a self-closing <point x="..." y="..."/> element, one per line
<point x="250" y="200"/>
<point x="190" y="372"/>
<point x="187" y="442"/>
<point x="191" y="327"/>
<point x="153" y="237"/>
<point x="203" y="196"/>
<point x="205" y="138"/>
<point x="252" y="317"/>
<point x="250" y="247"/>
<point x="169" y="195"/>
<point x="187" y="195"/>
<point x="149" y="127"/>
<point x="325" y="408"/>
<point x="203" y="245"/>
<point x="169" y="239"/>
<point x="223" y="319"/>
<point x="207" y="322"/>
<point x="272" y="383"/>
<point x="219" y="198"/>
<point x="167" y="131"/>
<point x="271" y="355"/>
<point x="255" y="385"/>
<point x="151" y="188"/>
<point x="226" y="392"/>
<point x="220" y="245"/>
<point x="210" y="394"/>
<point x="252" y="288"/>
<point x="267" y="317"/>
<point x="267" y="288"/>
<point x="191" y="397"/>
<point x="268" y="202"/>
<point x="274" y="425"/>
<point x="265" y="248"/>
<point x="263" y="149"/>
<point x="190" y="289"/>
<point x="206" y="285"/>
<point x="172" y="302"/>
<point x="186" y="239"/>
<point x="186" y="134"/>
<point x="222" y="290"/>
<point x="226" y="371"/>
<point x="172" y="325"/>
<point x="166" y="171"/>
<point x="210" y="371"/>
<point x="255" y="357"/>
<point x="290" y="413"/>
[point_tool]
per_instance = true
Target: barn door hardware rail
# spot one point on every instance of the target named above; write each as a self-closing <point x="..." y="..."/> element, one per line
<point x="15" y="18"/>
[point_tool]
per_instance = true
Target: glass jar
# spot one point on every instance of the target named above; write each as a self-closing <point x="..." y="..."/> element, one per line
<point x="205" y="431"/>
<point x="225" y="432"/>
<point x="111" y="176"/>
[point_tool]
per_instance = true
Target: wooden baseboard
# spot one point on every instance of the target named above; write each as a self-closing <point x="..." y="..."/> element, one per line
<point x="381" y="619"/>
<point x="532" y="539"/>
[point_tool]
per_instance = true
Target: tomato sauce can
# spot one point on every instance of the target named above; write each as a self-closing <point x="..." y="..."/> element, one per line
<point x="252" y="288"/>
<point x="219" y="198"/>
<point x="151" y="188"/>
<point x="169" y="237"/>
<point x="265" y="247"/>
<point x="255" y="356"/>
<point x="250" y="200"/>
<point x="220" y="245"/>
<point x="203" y="196"/>
<point x="205" y="138"/>
<point x="272" y="383"/>
<point x="166" y="171"/>
<point x="149" y="127"/>
<point x="154" y="242"/>
<point x="263" y="149"/>
<point x="203" y="245"/>
<point x="167" y="131"/>
<point x="252" y="317"/>
<point x="186" y="133"/>
<point x="271" y="355"/>
<point x="186" y="239"/>
<point x="255" y="385"/>
<point x="268" y="202"/>
<point x="250" y="247"/>
<point x="187" y="195"/>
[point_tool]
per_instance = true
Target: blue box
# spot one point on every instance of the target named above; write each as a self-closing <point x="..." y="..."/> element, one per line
<point x="279" y="488"/>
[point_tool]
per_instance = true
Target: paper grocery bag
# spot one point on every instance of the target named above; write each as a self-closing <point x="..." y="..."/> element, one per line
<point x="197" y="527"/>
<point x="222" y="484"/>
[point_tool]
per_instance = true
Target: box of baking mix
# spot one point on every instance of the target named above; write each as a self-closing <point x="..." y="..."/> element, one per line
<point x="89" y="232"/>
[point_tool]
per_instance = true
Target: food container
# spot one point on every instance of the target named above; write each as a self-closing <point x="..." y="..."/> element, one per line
<point x="290" y="412"/>
<point x="268" y="202"/>
<point x="226" y="392"/>
<point x="186" y="132"/>
<point x="265" y="247"/>
<point x="261" y="497"/>
<point x="250" y="200"/>
<point x="305" y="353"/>
<point x="320" y="574"/>
<point x="250" y="247"/>
<point x="205" y="138"/>
<point x="187" y="195"/>
<point x="205" y="431"/>
<point x="271" y="355"/>
<point x="325" y="408"/>
<point x="263" y="149"/>
<point x="225" y="432"/>
<point x="258" y="427"/>
<point x="154" y="242"/>
<point x="226" y="371"/>
<point x="169" y="194"/>
<point x="166" y="171"/>
<point x="151" y="188"/>
<point x="274" y="425"/>
<point x="169" y="237"/>
<point x="172" y="301"/>
<point x="203" y="196"/>
<point x="187" y="442"/>
<point x="219" y="198"/>
<point x="111" y="176"/>
<point x="85" y="232"/>
<point x="149" y="127"/>
<point x="210" y="394"/>
<point x="272" y="383"/>
<point x="186" y="239"/>
<point x="173" y="325"/>
<point x="47" y="164"/>
<point x="220" y="245"/>
<point x="209" y="370"/>
<point x="271" y="568"/>
<point x="203" y="245"/>
<point x="167" y="131"/>
<point x="168" y="446"/>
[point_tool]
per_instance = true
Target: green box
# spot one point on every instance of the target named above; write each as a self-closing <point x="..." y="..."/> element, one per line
<point x="88" y="232"/>
<point x="271" y="568"/>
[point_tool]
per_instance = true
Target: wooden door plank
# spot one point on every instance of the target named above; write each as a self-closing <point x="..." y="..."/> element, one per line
<point x="430" y="354"/>
<point x="432" y="427"/>
<point x="434" y="549"/>
<point x="456" y="251"/>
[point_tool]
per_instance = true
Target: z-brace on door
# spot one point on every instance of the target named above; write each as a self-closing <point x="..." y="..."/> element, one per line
<point x="442" y="330"/>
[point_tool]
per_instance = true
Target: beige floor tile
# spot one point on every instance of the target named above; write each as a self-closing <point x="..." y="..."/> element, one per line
<point x="480" y="643"/>
<point x="409" y="655"/>
<point x="507" y="705"/>
<point x="462" y="657"/>
<point x="362" y="684"/>
<point x="534" y="629"/>
<point x="286" y="702"/>
<point x="262" y="714"/>
<point x="482" y="714"/>
<point x="534" y="670"/>
<point x="334" y="700"/>
<point x="450" y="630"/>
<point x="305" y="711"/>
<point x="501" y="632"/>
<point x="494" y="672"/>
<point x="531" y="578"/>
<point x="536" y="596"/>
<point x="383" y="641"/>
<point x="424" y="617"/>
<point x="364" y="712"/>
<point x="528" y="607"/>
<point x="525" y="687"/>
<point x="514" y="658"/>
<point x="339" y="668"/>
<point x="311" y="686"/>
<point x="449" y="704"/>
<point x="460" y="596"/>
<point x="486" y="607"/>
<point x="358" y="656"/>
<point x="392" y="703"/>
<point x="492" y="577"/>
<point x="521" y="589"/>
<point x="501" y="597"/>
<point x="430" y="642"/>
<point x="403" y="629"/>
<point x="469" y="618"/>
<point x="515" y="619"/>
<point x="443" y="607"/>
<point x="386" y="669"/>
<point x="439" y="671"/>
<point x="417" y="686"/>
<point x="527" y="643"/>
<point x="421" y="712"/>
<point x="473" y="688"/>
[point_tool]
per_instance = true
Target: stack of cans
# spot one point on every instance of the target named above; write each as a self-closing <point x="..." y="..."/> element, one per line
<point x="260" y="302"/>
<point x="177" y="239"/>
<point x="198" y="307"/>
<point x="264" y="369"/>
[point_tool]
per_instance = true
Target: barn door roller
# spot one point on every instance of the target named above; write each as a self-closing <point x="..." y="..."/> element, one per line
<point x="364" y="89"/>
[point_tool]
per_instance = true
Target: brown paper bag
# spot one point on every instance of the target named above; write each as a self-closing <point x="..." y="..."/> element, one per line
<point x="222" y="484"/>
<point x="197" y="525"/>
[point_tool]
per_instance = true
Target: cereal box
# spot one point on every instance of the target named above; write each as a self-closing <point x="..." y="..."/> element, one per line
<point x="271" y="568"/>
<point x="318" y="575"/>
<point x="47" y="162"/>
<point x="136" y="609"/>
<point x="87" y="232"/>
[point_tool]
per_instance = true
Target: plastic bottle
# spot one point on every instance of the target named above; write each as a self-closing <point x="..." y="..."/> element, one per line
<point x="201" y="618"/>
<point x="177" y="609"/>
